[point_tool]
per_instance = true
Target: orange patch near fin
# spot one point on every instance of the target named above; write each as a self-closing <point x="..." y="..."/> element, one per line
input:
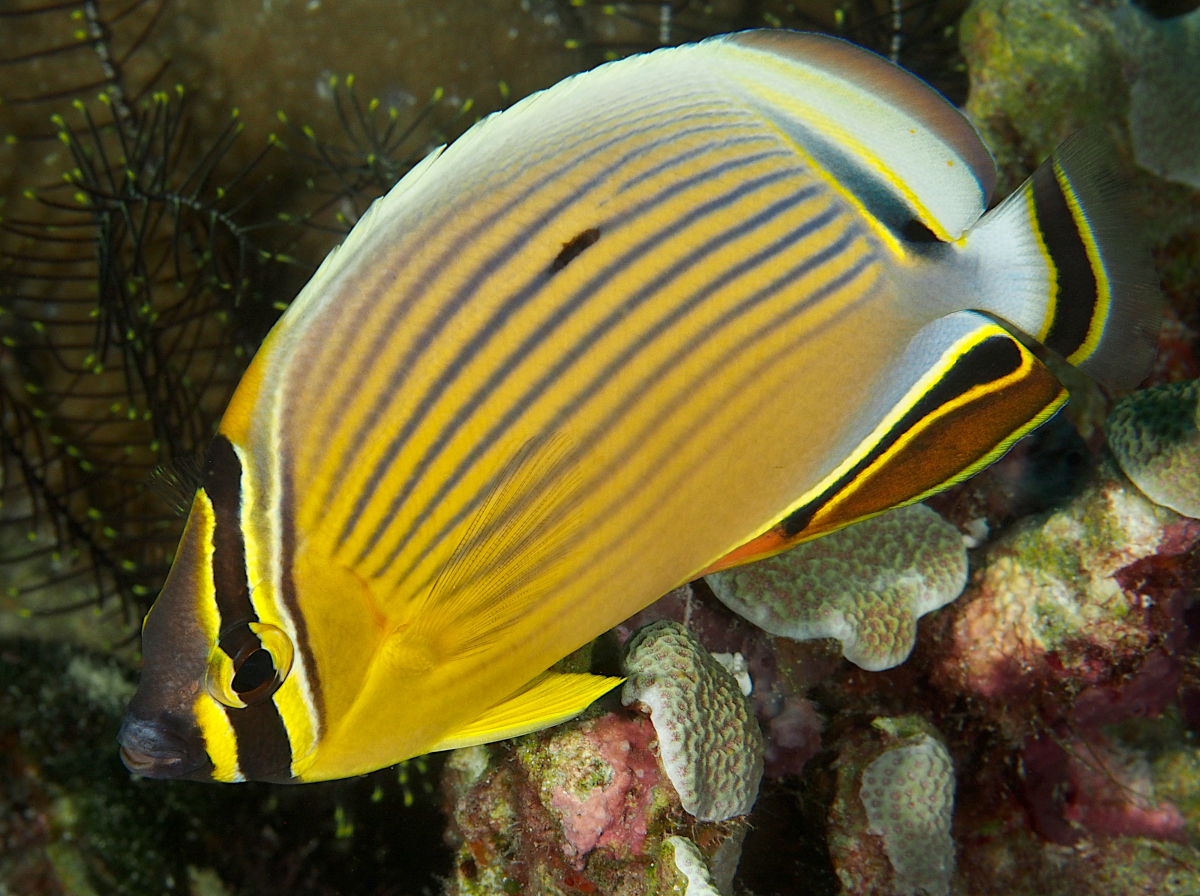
<point x="990" y="392"/>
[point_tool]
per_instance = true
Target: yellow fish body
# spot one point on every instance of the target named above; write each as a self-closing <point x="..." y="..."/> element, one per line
<point x="670" y="315"/>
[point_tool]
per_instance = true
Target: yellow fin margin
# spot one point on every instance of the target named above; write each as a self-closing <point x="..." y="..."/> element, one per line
<point x="551" y="698"/>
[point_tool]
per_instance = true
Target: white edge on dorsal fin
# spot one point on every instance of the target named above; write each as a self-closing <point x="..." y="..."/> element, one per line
<point x="886" y="118"/>
<point x="317" y="288"/>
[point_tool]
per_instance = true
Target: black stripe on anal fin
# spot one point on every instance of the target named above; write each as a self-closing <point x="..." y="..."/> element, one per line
<point x="1078" y="292"/>
<point x="264" y="750"/>
<point x="991" y="396"/>
<point x="573" y="248"/>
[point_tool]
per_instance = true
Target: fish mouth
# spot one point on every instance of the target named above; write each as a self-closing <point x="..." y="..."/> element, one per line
<point x="150" y="750"/>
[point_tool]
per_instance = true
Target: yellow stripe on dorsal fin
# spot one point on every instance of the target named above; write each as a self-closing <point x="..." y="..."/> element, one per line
<point x="551" y="698"/>
<point x="887" y="137"/>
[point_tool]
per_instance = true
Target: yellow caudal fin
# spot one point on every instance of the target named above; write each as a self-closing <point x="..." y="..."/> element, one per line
<point x="549" y="699"/>
<point x="1060" y="261"/>
<point x="514" y="551"/>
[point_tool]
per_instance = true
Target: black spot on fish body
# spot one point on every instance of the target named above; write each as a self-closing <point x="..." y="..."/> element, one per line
<point x="573" y="248"/>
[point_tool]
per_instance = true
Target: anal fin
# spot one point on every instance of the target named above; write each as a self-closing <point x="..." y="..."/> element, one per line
<point x="963" y="392"/>
<point x="551" y="698"/>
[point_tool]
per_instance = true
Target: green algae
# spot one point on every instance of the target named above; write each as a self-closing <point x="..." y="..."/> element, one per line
<point x="1040" y="70"/>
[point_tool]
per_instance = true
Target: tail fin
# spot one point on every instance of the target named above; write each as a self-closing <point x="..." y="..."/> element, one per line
<point x="1061" y="263"/>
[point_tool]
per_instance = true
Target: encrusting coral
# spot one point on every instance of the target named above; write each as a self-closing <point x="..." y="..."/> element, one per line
<point x="908" y="792"/>
<point x="891" y="817"/>
<point x="709" y="740"/>
<point x="1057" y="607"/>
<point x="683" y="871"/>
<point x="1155" y="436"/>
<point x="866" y="585"/>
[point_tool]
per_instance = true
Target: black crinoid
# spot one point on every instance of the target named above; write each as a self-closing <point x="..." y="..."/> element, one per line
<point x="921" y="35"/>
<point x="375" y="147"/>
<point x="131" y="291"/>
<point x="141" y="261"/>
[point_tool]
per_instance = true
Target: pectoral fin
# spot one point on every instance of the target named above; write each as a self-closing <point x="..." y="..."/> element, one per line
<point x="963" y="393"/>
<point x="549" y="699"/>
<point x="513" y="552"/>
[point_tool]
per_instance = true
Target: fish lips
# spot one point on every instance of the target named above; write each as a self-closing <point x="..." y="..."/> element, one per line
<point x="161" y="736"/>
<point x="160" y="749"/>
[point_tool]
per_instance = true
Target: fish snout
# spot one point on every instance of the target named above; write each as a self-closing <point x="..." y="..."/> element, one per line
<point x="152" y="750"/>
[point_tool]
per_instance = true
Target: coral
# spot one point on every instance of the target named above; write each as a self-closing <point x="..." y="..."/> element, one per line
<point x="865" y="585"/>
<point x="1155" y="436"/>
<point x="582" y="807"/>
<point x="709" y="740"/>
<point x="1163" y="67"/>
<point x="1093" y="786"/>
<point x="779" y="670"/>
<point x="908" y="792"/>
<point x="1040" y="66"/>
<point x="683" y="871"/>
<point x="599" y="784"/>
<point x="890" y="820"/>
<point x="1061" y="599"/>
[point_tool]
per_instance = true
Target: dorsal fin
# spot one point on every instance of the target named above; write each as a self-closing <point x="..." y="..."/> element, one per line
<point x="889" y="138"/>
<point x="176" y="481"/>
<point x="512" y="551"/>
<point x="549" y="699"/>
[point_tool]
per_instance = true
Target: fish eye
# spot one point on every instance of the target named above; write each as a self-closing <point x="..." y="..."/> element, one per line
<point x="260" y="664"/>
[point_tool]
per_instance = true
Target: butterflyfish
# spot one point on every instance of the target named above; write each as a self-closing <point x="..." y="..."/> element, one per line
<point x="670" y="315"/>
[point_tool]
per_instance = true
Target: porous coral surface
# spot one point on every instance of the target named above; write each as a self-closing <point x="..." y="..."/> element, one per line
<point x="866" y="585"/>
<point x="709" y="740"/>
<point x="908" y="792"/>
<point x="1155" y="436"/>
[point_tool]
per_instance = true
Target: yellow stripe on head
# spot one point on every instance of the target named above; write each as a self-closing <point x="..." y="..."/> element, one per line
<point x="206" y="590"/>
<point x="219" y="740"/>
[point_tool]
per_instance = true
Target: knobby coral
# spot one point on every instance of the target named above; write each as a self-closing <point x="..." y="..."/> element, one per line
<point x="709" y="741"/>
<point x="866" y="585"/>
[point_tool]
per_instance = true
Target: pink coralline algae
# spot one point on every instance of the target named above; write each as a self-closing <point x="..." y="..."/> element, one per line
<point x="1068" y="601"/>
<point x="582" y="806"/>
<point x="866" y="585"/>
<point x="1075" y="788"/>
<point x="609" y="807"/>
